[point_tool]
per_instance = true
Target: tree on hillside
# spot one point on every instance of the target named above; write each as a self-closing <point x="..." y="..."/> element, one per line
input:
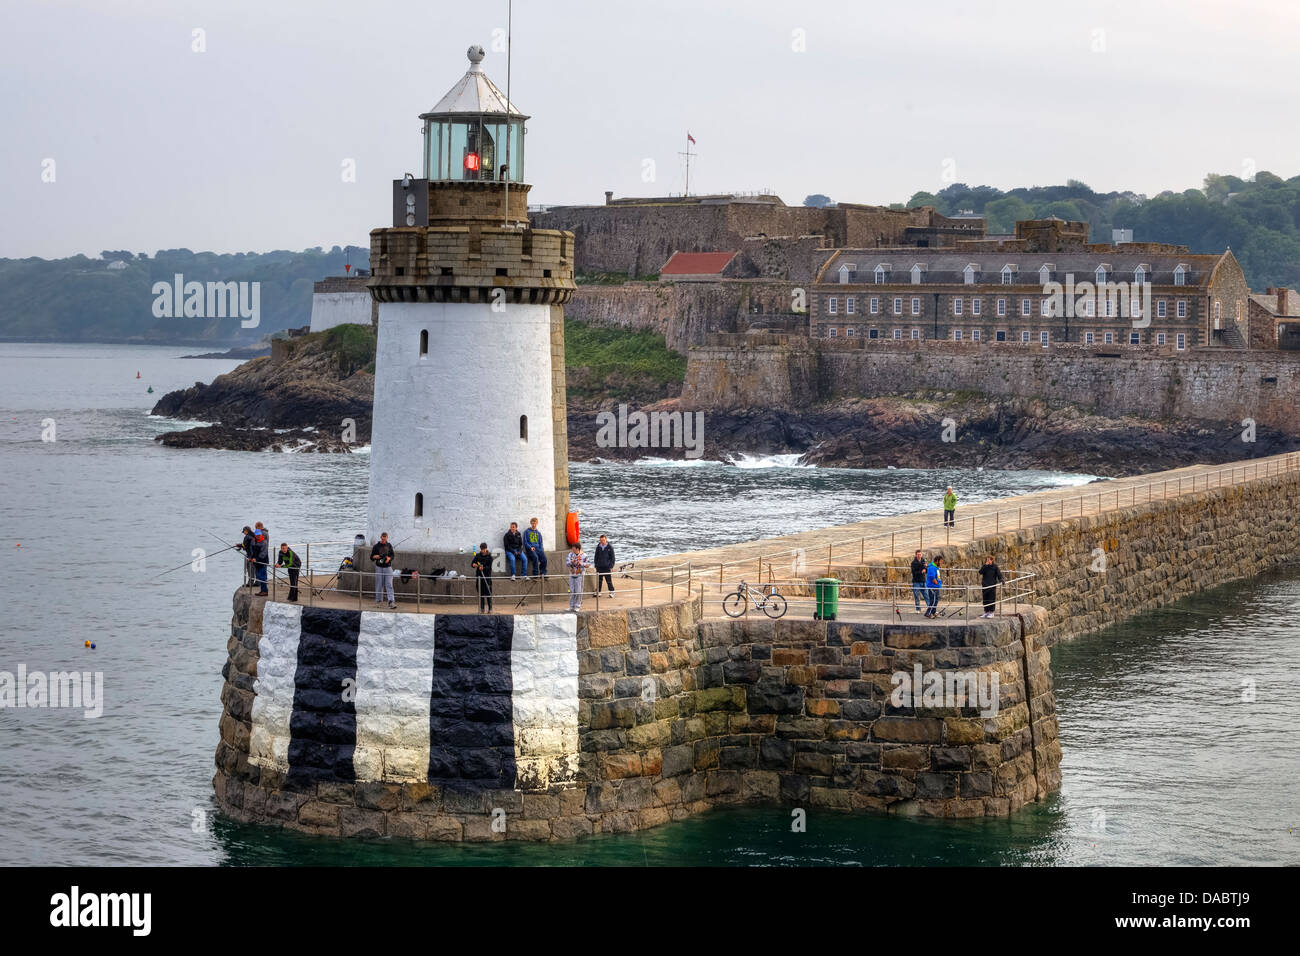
<point x="1001" y="215"/>
<point x="817" y="200"/>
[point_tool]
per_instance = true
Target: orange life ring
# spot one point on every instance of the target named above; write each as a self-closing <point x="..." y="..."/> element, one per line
<point x="571" y="528"/>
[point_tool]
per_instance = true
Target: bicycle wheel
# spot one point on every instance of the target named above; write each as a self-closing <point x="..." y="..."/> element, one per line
<point x="733" y="605"/>
<point x="774" y="606"/>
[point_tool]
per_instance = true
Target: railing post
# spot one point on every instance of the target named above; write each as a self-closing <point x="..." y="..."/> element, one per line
<point x="643" y="583"/>
<point x="1020" y="517"/>
<point x="417" y="592"/>
<point x="828" y="563"/>
<point x="541" y="579"/>
<point x="672" y="583"/>
<point x="891" y="546"/>
<point x="972" y="529"/>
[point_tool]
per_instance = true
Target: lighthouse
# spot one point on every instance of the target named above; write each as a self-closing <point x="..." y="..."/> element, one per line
<point x="469" y="429"/>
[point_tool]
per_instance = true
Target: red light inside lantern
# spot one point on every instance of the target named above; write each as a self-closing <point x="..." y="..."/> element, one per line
<point x="471" y="162"/>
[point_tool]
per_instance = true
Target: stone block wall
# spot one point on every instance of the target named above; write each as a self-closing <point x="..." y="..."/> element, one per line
<point x="1215" y="386"/>
<point x="670" y="715"/>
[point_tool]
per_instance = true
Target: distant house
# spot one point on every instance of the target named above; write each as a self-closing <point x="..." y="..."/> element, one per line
<point x="698" y="267"/>
<point x="117" y="265"/>
<point x="1274" y="319"/>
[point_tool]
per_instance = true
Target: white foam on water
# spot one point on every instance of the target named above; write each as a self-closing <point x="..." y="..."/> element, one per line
<point x="770" y="461"/>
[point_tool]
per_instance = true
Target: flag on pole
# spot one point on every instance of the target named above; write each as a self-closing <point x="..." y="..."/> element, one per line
<point x="689" y="137"/>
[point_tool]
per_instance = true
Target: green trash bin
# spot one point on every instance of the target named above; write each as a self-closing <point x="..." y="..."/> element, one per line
<point x="828" y="599"/>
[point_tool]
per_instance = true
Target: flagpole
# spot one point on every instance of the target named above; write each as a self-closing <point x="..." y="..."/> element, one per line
<point x="509" y="51"/>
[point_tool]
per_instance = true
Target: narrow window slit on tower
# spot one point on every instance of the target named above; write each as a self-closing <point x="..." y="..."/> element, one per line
<point x="523" y="428"/>
<point x="419" y="504"/>
<point x="446" y="270"/>
<point x="424" y="343"/>
<point x="501" y="270"/>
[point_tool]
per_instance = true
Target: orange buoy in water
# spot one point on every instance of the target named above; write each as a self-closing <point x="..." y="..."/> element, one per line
<point x="571" y="528"/>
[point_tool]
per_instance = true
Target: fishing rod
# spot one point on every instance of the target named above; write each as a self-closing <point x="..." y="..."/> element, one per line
<point x="190" y="562"/>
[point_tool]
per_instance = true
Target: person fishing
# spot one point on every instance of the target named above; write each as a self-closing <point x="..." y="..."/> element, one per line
<point x="245" y="547"/>
<point x="482" y="565"/>
<point x="262" y="554"/>
<point x="288" y="559"/>
<point x="381" y="555"/>
<point x="933" y="583"/>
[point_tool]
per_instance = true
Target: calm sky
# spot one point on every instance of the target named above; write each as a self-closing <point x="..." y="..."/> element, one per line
<point x="239" y="137"/>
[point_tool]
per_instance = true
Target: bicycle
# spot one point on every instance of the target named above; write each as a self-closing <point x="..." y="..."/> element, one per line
<point x="770" y="602"/>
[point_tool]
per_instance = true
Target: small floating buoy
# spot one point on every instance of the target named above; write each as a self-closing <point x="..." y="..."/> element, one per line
<point x="150" y="390"/>
<point x="87" y="643"/>
<point x="18" y="544"/>
<point x="137" y="374"/>
<point x="92" y="645"/>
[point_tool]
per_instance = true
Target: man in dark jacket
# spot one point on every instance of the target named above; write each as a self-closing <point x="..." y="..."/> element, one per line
<point x="990" y="578"/>
<point x="514" y="545"/>
<point x="262" y="554"/>
<point x="381" y="555"/>
<point x="288" y="559"/>
<point x="918" y="580"/>
<point x="482" y="565"/>
<point x="245" y="547"/>
<point x="604" y="564"/>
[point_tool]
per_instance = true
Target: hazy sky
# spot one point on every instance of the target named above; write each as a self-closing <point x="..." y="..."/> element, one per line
<point x="242" y="147"/>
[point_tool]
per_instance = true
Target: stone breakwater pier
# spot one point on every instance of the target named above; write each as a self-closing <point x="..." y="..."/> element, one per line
<point x="454" y="726"/>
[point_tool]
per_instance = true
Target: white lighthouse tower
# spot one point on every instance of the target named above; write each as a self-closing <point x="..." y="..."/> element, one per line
<point x="469" y="429"/>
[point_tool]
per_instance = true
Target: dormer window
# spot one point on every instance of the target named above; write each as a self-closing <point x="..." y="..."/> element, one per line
<point x="844" y="274"/>
<point x="1180" y="275"/>
<point x="882" y="273"/>
<point x="1045" y="273"/>
<point x="1140" y="275"/>
<point x="918" y="274"/>
<point x="1008" y="274"/>
<point x="968" y="274"/>
<point x="1103" y="273"/>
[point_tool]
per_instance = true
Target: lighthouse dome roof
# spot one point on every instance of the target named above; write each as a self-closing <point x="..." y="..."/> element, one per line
<point x="474" y="93"/>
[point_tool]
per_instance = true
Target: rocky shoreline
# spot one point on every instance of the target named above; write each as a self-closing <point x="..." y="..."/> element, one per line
<point x="312" y="401"/>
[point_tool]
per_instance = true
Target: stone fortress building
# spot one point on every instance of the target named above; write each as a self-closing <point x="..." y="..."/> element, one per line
<point x="1048" y="285"/>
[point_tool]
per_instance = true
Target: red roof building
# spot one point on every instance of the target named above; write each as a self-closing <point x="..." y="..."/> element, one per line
<point x="688" y="266"/>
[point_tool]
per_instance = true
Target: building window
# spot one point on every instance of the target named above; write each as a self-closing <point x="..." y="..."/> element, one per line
<point x="419" y="505"/>
<point x="1160" y="338"/>
<point x="898" y="334"/>
<point x="1110" y="307"/>
<point x="956" y="335"/>
<point x="880" y="275"/>
<point x="917" y="274"/>
<point x="916" y="334"/>
<point x="1218" y="313"/>
<point x="1006" y="275"/>
<point x="844" y="274"/>
<point x="850" y="332"/>
<point x="1024" y="338"/>
<point x="1180" y="341"/>
<point x="1046" y="308"/>
<point x="1087" y="338"/>
<point x="916" y="305"/>
<point x="1025" y="308"/>
<point x="968" y="275"/>
<point x="898" y="305"/>
<point x="523" y="428"/>
<point x="424" y="343"/>
<point x="1180" y="275"/>
<point x="874" y="334"/>
<point x="1044" y="338"/>
<point x="1110" y="338"/>
<point x="832" y="332"/>
<point x="832" y="306"/>
<point x="1182" y="308"/>
<point x="1101" y="275"/>
<point x="875" y="304"/>
<point x="850" y="305"/>
<point x="1135" y="338"/>
<point x="1002" y="307"/>
<point x="975" y="306"/>
<point x="1139" y="275"/>
<point x="1045" y="274"/>
<point x="975" y="335"/>
<point x="1000" y="335"/>
<point x="1161" y="308"/>
<point x="956" y="306"/>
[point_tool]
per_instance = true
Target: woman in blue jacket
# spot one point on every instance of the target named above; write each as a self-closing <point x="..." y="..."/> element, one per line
<point x="933" y="582"/>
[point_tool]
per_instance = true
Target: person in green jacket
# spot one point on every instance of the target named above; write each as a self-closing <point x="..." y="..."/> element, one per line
<point x="949" y="508"/>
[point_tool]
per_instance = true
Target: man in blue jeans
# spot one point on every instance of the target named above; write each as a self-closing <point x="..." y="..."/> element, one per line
<point x="514" y="547"/>
<point x="933" y="582"/>
<point x="918" y="581"/>
<point x="534" y="550"/>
